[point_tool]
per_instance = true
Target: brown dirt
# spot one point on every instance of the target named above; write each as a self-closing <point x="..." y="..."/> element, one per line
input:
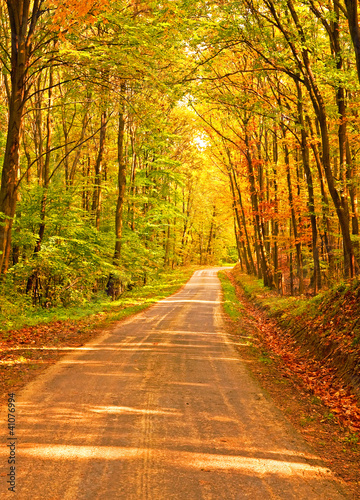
<point x="25" y="353"/>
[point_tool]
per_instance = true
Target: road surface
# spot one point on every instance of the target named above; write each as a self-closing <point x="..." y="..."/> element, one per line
<point x="159" y="408"/>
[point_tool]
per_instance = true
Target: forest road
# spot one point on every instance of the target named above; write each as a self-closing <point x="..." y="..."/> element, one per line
<point x="161" y="407"/>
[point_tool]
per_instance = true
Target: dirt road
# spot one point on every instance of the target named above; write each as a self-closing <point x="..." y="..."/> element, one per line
<point x="159" y="408"/>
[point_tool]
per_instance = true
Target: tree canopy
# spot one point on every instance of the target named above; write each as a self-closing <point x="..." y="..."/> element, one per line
<point x="137" y="135"/>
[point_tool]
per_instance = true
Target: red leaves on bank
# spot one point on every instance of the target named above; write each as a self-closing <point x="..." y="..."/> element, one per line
<point x="317" y="376"/>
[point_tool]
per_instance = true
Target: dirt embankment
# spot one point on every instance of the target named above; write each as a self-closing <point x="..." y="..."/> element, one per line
<point x="330" y="328"/>
<point x="319" y="340"/>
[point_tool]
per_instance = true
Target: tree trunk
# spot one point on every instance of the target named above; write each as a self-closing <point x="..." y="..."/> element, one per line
<point x="353" y="20"/>
<point x="132" y="178"/>
<point x="72" y="170"/>
<point x="44" y="180"/>
<point x="238" y="228"/>
<point x="211" y="235"/>
<point x="233" y="179"/>
<point x="320" y="111"/>
<point x="21" y="36"/>
<point x="324" y="199"/>
<point x="351" y="177"/>
<point x="293" y="216"/>
<point x="121" y="179"/>
<point x="311" y="196"/>
<point x="275" y="226"/>
<point x="96" y="204"/>
<point x="265" y="268"/>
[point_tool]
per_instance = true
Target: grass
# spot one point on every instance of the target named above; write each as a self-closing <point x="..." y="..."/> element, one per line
<point x="255" y="289"/>
<point x="329" y="318"/>
<point x="282" y="307"/>
<point x="351" y="439"/>
<point x="306" y="420"/>
<point x="269" y="299"/>
<point x="265" y="358"/>
<point x="164" y="284"/>
<point x="287" y="306"/>
<point x="233" y="308"/>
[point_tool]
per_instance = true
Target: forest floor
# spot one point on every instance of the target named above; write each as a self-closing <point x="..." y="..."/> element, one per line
<point x="321" y="407"/>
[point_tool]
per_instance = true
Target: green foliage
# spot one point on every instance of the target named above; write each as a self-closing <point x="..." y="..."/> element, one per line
<point x="278" y="306"/>
<point x="72" y="261"/>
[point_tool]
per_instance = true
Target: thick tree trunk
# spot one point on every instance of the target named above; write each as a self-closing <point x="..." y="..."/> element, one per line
<point x="9" y="177"/>
<point x="339" y="202"/>
<point x="22" y="26"/>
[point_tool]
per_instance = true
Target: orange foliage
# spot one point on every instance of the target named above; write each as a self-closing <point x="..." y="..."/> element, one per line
<point x="69" y="13"/>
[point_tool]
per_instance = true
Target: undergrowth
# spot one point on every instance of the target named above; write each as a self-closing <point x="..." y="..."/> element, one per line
<point x="18" y="312"/>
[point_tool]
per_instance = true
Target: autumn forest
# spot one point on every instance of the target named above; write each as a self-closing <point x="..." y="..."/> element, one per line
<point x="140" y="135"/>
